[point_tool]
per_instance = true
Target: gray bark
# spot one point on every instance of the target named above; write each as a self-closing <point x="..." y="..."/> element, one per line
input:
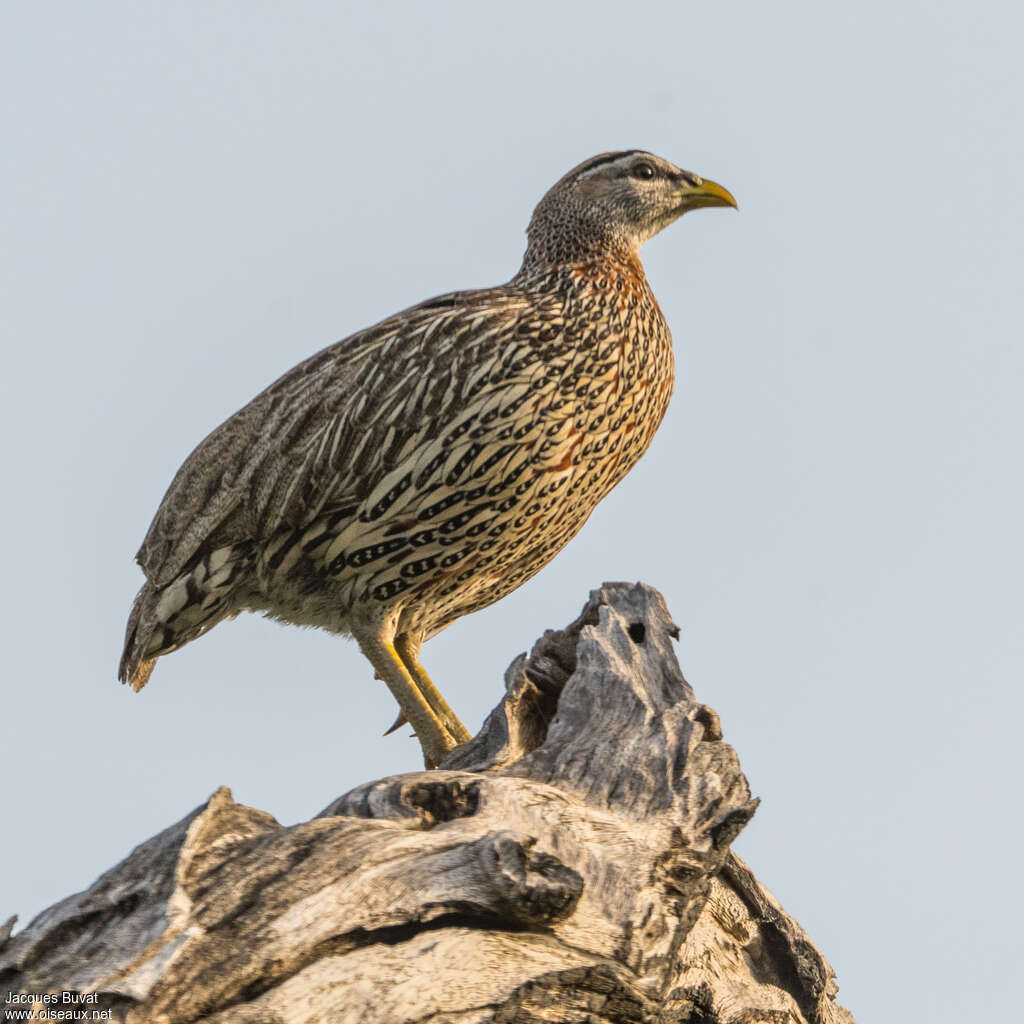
<point x="570" y="863"/>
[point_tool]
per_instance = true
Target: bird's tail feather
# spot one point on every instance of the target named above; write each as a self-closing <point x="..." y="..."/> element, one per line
<point x="166" y="618"/>
<point x="135" y="669"/>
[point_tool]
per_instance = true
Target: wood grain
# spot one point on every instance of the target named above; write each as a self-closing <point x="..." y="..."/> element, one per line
<point x="570" y="863"/>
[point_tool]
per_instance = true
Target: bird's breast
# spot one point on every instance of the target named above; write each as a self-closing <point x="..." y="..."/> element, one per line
<point x="540" y="435"/>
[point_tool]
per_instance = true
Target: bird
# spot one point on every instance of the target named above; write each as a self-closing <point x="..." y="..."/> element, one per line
<point x="423" y="468"/>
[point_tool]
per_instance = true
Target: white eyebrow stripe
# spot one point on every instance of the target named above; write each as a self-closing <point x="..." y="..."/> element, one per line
<point x="628" y="157"/>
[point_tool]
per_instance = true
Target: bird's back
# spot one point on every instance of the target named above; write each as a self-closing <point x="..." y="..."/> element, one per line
<point x="317" y="436"/>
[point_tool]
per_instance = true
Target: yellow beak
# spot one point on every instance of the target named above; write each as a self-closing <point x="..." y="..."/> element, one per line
<point x="707" y="193"/>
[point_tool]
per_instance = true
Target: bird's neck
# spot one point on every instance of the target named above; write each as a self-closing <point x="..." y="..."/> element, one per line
<point x="553" y="254"/>
<point x="562" y="234"/>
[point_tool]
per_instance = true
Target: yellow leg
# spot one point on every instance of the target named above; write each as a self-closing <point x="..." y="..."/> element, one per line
<point x="380" y="651"/>
<point x="408" y="648"/>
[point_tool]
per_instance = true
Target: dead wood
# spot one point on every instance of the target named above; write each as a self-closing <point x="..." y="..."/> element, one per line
<point x="570" y="863"/>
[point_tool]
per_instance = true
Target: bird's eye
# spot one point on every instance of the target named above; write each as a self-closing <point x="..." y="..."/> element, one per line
<point x="645" y="171"/>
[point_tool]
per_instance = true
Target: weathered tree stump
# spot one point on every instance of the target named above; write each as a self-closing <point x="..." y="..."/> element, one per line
<point x="570" y="863"/>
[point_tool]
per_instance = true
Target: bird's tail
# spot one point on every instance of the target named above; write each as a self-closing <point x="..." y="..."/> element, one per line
<point x="166" y="618"/>
<point x="135" y="668"/>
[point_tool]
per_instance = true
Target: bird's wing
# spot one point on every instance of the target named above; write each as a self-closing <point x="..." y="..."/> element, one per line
<point x="327" y="433"/>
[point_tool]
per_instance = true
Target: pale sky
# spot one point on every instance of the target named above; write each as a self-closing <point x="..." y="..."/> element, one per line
<point x="195" y="196"/>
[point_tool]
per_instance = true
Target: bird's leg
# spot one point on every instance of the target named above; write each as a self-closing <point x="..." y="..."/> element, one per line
<point x="379" y="649"/>
<point x="408" y="647"/>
